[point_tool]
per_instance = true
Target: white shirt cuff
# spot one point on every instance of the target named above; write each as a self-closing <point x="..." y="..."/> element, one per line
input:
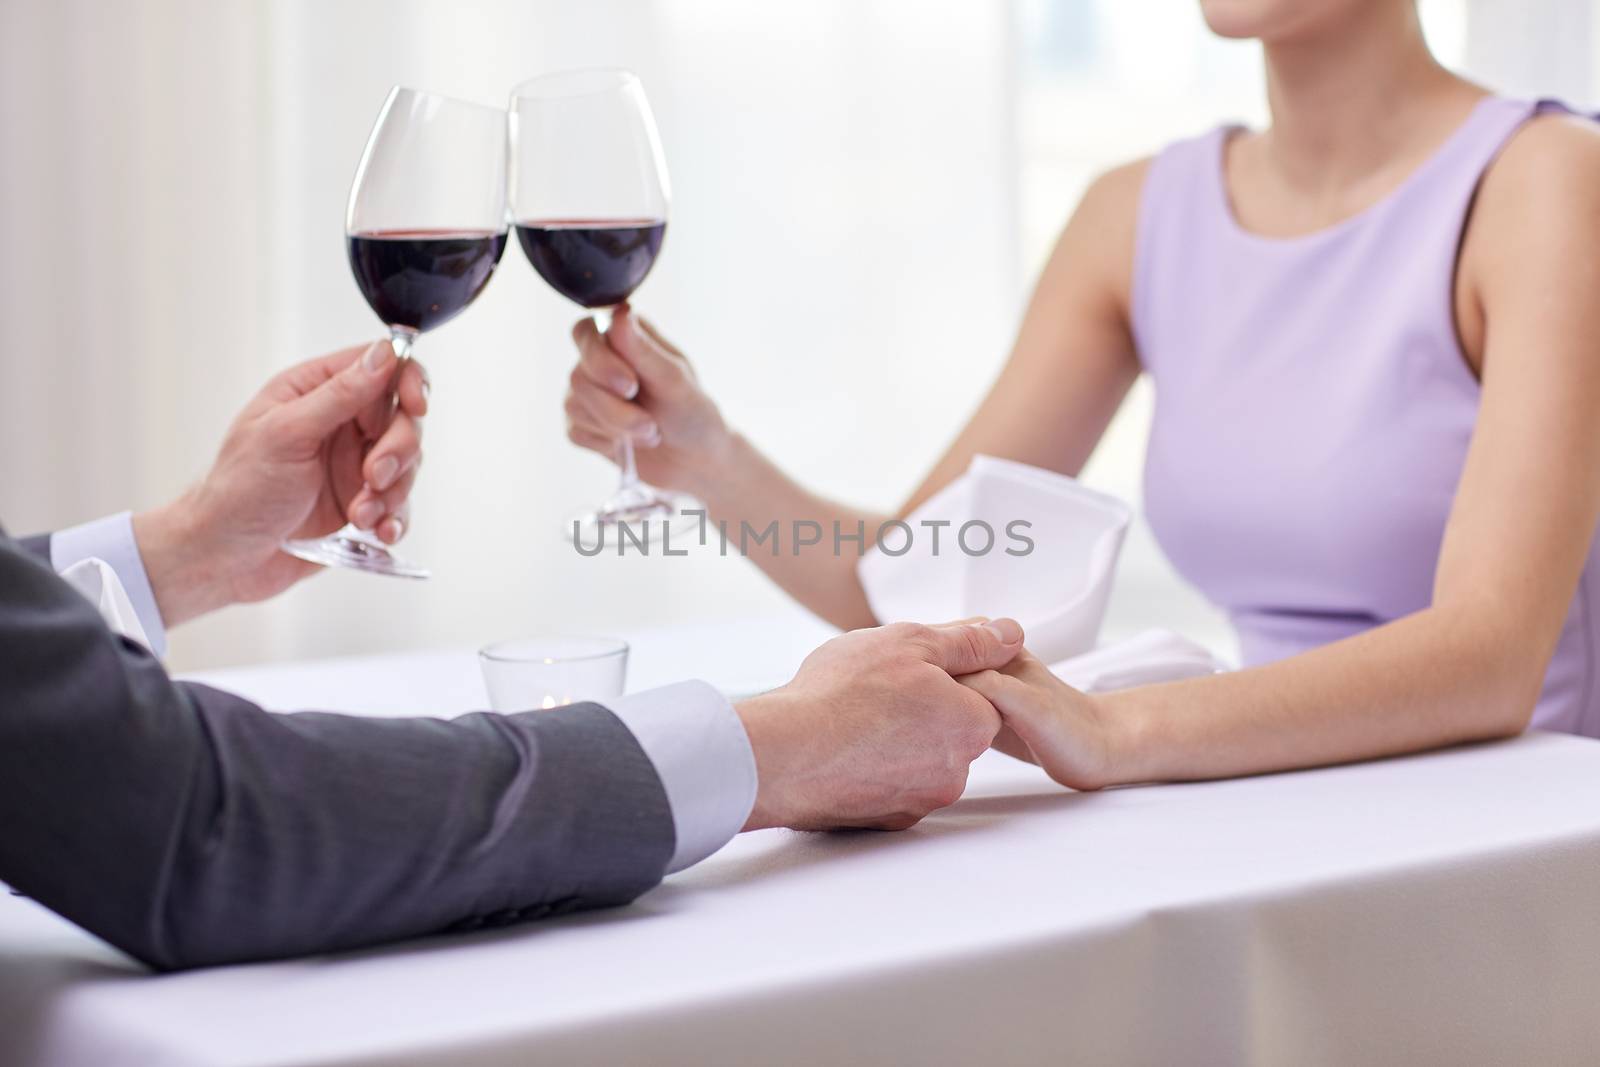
<point x="111" y="539"/>
<point x="702" y="754"/>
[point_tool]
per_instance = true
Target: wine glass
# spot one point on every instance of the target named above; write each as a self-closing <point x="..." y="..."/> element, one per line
<point x="425" y="227"/>
<point x="589" y="199"/>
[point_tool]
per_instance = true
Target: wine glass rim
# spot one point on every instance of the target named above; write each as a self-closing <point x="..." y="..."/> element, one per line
<point x="613" y="78"/>
<point x="396" y="90"/>
<point x="498" y="651"/>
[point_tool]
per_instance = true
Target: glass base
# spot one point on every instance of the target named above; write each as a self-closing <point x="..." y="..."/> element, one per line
<point x="642" y="507"/>
<point x="355" y="550"/>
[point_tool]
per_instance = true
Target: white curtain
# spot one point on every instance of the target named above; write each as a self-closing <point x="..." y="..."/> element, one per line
<point x="1535" y="48"/>
<point x="841" y="263"/>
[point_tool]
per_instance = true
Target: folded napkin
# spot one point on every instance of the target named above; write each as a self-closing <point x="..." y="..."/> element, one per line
<point x="100" y="585"/>
<point x="1150" y="657"/>
<point x="1057" y="588"/>
<point x="1051" y="567"/>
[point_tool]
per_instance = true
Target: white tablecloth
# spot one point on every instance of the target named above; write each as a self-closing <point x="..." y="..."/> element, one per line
<point x="1438" y="909"/>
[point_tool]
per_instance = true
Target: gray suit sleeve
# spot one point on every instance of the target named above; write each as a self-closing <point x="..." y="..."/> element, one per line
<point x="188" y="827"/>
<point x="38" y="545"/>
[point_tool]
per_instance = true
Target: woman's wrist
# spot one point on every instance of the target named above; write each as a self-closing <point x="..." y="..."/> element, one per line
<point x="1128" y="738"/>
<point x="721" y="475"/>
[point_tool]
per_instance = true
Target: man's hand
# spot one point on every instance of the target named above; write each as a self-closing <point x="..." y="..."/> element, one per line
<point x="873" y="731"/>
<point x="334" y="438"/>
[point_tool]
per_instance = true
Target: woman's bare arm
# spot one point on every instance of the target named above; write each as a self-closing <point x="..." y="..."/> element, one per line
<point x="1071" y="366"/>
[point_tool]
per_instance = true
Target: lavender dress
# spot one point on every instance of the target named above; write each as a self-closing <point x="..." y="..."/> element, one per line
<point x="1313" y="406"/>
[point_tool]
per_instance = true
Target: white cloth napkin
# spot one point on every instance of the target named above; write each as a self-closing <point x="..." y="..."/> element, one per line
<point x="1058" y="591"/>
<point x="1144" y="659"/>
<point x="95" y="579"/>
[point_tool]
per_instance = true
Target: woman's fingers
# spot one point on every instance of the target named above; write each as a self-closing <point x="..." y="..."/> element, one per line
<point x="1008" y="743"/>
<point x="601" y="411"/>
<point x="630" y="355"/>
<point x="1057" y="726"/>
<point x="598" y="362"/>
<point x="1024" y="706"/>
<point x="1001" y="690"/>
<point x="660" y="339"/>
<point x="594" y="442"/>
<point x="1029" y="668"/>
<point x="660" y="369"/>
<point x="394" y="527"/>
<point x="413" y="389"/>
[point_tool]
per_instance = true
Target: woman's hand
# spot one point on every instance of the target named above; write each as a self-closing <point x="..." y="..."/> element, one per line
<point x="632" y="382"/>
<point x="1046" y="721"/>
<point x="338" y="437"/>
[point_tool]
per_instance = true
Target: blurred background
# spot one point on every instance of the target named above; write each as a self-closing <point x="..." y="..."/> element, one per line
<point x="863" y="191"/>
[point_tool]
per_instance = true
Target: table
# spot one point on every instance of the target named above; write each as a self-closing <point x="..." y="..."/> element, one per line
<point x="1437" y="909"/>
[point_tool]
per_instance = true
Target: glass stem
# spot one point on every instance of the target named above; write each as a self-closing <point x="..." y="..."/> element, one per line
<point x="402" y="338"/>
<point x="630" y="470"/>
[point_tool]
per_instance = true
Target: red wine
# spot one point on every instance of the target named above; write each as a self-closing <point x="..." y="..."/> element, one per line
<point x="592" y="262"/>
<point x="422" y="278"/>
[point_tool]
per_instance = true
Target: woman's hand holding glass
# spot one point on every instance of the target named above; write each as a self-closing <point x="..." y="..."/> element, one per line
<point x="634" y="383"/>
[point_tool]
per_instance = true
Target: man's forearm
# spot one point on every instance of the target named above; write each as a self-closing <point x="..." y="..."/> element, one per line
<point x="189" y="827"/>
<point x="186" y="571"/>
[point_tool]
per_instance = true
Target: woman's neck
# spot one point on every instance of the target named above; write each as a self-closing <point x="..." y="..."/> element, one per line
<point x="1347" y="98"/>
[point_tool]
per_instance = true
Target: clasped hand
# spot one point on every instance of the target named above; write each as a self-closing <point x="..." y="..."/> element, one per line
<point x="879" y="726"/>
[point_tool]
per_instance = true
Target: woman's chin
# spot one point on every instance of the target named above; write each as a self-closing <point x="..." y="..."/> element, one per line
<point x="1262" y="19"/>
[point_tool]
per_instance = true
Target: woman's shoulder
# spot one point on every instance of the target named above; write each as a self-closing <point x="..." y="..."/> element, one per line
<point x="1551" y="162"/>
<point x="1180" y="170"/>
<point x="1553" y="124"/>
<point x="1116" y="190"/>
<point x="1102" y="234"/>
<point x="1539" y="200"/>
<point x="1534" y="224"/>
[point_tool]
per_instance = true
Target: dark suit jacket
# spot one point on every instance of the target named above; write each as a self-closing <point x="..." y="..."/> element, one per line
<point x="188" y="827"/>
